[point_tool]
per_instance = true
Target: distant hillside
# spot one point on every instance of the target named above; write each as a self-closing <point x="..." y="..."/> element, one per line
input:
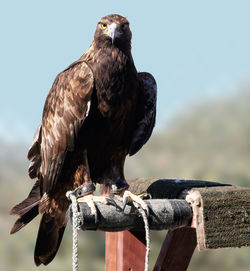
<point x="210" y="140"/>
<point x="13" y="160"/>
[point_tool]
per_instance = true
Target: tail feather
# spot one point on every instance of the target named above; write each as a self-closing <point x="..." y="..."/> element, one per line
<point x="48" y="241"/>
<point x="51" y="229"/>
<point x="27" y="204"/>
<point x="27" y="209"/>
<point x="24" y="219"/>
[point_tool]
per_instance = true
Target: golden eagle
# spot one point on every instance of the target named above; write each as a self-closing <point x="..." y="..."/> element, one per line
<point x="99" y="110"/>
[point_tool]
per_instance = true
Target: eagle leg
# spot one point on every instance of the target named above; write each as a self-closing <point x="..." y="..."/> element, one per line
<point x="121" y="188"/>
<point x="91" y="201"/>
<point x="84" y="189"/>
<point x="136" y="199"/>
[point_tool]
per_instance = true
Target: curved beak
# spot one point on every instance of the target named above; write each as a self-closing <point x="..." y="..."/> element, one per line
<point x="112" y="31"/>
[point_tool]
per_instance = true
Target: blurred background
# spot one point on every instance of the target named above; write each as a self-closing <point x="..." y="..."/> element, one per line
<point x="199" y="54"/>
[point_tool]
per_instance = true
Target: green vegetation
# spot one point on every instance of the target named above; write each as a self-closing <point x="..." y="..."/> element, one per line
<point x="209" y="141"/>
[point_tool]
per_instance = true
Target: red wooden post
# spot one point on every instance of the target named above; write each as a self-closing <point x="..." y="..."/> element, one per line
<point x="177" y="250"/>
<point x="125" y="251"/>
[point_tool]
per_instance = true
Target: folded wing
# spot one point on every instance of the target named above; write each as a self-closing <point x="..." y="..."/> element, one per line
<point x="65" y="109"/>
<point x="147" y="114"/>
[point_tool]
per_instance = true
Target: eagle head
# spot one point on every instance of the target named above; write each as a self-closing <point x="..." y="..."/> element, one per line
<point x="113" y="30"/>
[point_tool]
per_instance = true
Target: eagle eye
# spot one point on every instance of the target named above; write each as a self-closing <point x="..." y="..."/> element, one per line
<point x="103" y="26"/>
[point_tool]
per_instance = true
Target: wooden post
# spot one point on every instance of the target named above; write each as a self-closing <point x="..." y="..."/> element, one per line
<point x="177" y="250"/>
<point x="125" y="251"/>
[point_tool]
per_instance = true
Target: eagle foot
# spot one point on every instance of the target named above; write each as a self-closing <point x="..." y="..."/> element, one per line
<point x="91" y="201"/>
<point x="136" y="199"/>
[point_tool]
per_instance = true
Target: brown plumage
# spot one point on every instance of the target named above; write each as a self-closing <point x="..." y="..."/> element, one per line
<point x="98" y="110"/>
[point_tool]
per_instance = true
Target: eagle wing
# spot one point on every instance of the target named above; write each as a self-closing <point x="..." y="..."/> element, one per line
<point x="146" y="120"/>
<point x="66" y="107"/>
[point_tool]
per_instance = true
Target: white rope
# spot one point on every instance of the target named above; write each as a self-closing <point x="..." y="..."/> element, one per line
<point x="76" y="226"/>
<point x="147" y="235"/>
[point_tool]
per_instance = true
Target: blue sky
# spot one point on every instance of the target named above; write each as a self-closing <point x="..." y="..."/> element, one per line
<point x="194" y="49"/>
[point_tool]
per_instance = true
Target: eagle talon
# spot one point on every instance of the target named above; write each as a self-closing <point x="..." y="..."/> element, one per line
<point x="125" y="202"/>
<point x="96" y="218"/>
<point x="136" y="199"/>
<point x="91" y="201"/>
<point x="111" y="202"/>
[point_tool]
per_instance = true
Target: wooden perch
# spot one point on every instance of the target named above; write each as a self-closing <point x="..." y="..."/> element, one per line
<point x="218" y="213"/>
<point x="221" y="212"/>
<point x="166" y="211"/>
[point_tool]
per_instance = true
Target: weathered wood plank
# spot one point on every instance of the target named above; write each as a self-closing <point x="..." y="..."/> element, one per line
<point x="221" y="216"/>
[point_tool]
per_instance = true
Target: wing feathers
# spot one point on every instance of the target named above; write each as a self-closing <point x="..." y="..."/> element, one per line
<point x="65" y="109"/>
<point x="34" y="154"/>
<point x="146" y="122"/>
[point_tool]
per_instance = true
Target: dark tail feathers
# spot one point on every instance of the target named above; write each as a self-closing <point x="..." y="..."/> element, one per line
<point x="27" y="209"/>
<point x="48" y="241"/>
<point x="49" y="235"/>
